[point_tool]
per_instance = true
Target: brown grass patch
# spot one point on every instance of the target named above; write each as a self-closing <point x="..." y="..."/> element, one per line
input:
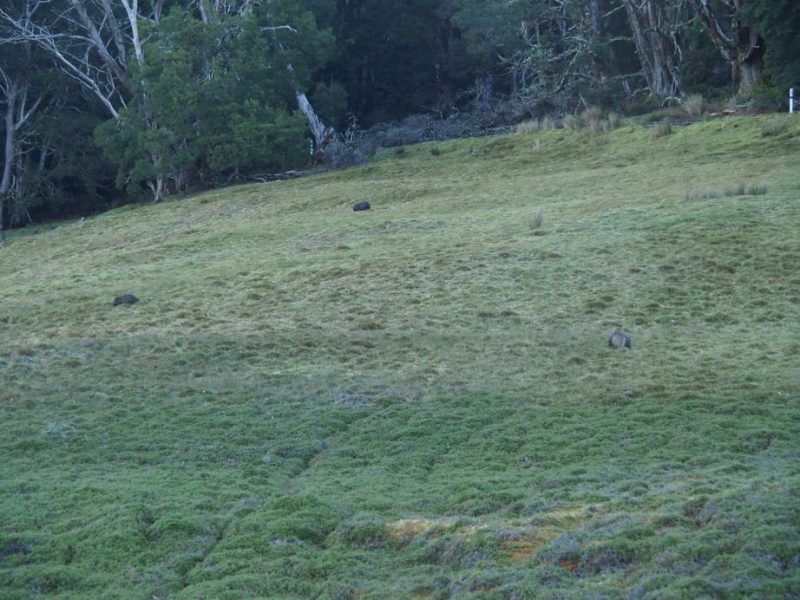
<point x="569" y="565"/>
<point x="524" y="547"/>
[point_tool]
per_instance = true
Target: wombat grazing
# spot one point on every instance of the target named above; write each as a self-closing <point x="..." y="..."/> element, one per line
<point x="620" y="339"/>
<point x="125" y="299"/>
<point x="363" y="205"/>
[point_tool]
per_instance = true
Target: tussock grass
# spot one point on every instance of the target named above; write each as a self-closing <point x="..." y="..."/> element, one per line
<point x="694" y="105"/>
<point x="529" y="126"/>
<point x="548" y="122"/>
<point x="572" y="122"/>
<point x="662" y="129"/>
<point x="533" y="125"/>
<point x="774" y="126"/>
<point x="417" y="400"/>
<point x="595" y="120"/>
<point x="538" y="217"/>
<point x="731" y="190"/>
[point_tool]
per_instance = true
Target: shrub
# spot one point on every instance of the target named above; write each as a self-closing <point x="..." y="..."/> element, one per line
<point x="348" y="148"/>
<point x="340" y="154"/>
<point x="765" y="97"/>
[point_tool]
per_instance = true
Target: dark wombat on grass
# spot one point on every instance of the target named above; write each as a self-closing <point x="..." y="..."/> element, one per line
<point x="363" y="205"/>
<point x="125" y="299"/>
<point x="620" y="339"/>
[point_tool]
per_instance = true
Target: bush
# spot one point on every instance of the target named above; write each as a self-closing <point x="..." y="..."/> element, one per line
<point x="765" y="97"/>
<point x="349" y="148"/>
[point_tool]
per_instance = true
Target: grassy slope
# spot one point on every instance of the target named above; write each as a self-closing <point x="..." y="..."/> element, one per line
<point x="417" y="401"/>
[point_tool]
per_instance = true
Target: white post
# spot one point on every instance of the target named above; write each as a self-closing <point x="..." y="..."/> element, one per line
<point x="791" y="100"/>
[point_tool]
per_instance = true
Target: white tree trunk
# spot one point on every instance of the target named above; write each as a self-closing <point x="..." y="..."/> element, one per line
<point x="17" y="114"/>
<point x="9" y="147"/>
<point x="322" y="134"/>
<point x="653" y="24"/>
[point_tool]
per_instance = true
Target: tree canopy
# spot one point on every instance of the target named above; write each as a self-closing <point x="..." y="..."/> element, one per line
<point x="104" y="100"/>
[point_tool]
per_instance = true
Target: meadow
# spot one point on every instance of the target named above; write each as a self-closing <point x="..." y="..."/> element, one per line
<point x="419" y="401"/>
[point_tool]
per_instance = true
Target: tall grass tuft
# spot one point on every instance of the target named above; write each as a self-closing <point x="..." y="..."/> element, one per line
<point x="532" y="125"/>
<point x="731" y="104"/>
<point x="593" y="117"/>
<point x="572" y="122"/>
<point x="548" y="122"/>
<point x="529" y="126"/>
<point x="729" y="191"/>
<point x="538" y="216"/>
<point x="663" y="129"/>
<point x="755" y="189"/>
<point x="694" y="105"/>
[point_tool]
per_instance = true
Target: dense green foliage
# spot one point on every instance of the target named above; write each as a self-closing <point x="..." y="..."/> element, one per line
<point x="418" y="401"/>
<point x="779" y="23"/>
<point x="190" y="95"/>
<point x="215" y="112"/>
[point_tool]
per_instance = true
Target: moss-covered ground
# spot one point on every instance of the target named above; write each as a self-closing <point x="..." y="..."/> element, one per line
<point x="418" y="401"/>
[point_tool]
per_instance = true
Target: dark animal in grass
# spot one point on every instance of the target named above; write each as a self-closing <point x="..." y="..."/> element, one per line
<point x="363" y="205"/>
<point x="620" y="339"/>
<point x="125" y="299"/>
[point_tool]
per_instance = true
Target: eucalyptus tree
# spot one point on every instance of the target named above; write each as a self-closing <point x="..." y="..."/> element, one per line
<point x="159" y="85"/>
<point x="21" y="95"/>
<point x="656" y="29"/>
<point x="391" y="56"/>
<point x="553" y="54"/>
<point x="778" y="22"/>
<point x="224" y="98"/>
<point x="99" y="44"/>
<point x="739" y="41"/>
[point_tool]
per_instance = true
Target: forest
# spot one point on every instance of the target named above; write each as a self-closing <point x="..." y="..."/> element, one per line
<point x="109" y="101"/>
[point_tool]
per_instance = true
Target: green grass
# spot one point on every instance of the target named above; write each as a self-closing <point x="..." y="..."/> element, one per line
<point x="418" y="401"/>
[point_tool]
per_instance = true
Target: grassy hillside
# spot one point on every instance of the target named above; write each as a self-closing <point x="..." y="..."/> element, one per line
<point x="418" y="401"/>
